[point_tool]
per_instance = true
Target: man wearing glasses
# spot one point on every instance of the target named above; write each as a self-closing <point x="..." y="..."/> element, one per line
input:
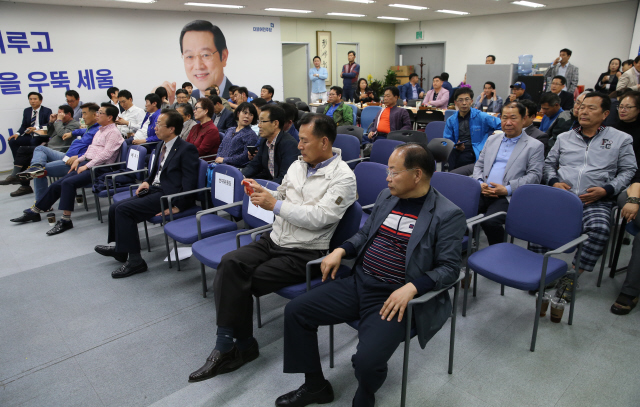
<point x="469" y="130"/>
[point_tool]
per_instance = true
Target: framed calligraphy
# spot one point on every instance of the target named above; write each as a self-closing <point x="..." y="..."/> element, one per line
<point x="324" y="47"/>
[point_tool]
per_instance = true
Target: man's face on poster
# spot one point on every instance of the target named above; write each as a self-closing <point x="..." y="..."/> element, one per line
<point x="203" y="64"/>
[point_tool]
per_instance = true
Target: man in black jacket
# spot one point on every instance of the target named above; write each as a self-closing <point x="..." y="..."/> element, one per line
<point x="174" y="169"/>
<point x="277" y="149"/>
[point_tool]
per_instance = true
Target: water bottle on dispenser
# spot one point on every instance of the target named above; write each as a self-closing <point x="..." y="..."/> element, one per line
<point x="525" y="64"/>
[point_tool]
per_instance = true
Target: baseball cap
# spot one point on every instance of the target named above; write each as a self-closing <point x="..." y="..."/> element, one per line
<point x="519" y="85"/>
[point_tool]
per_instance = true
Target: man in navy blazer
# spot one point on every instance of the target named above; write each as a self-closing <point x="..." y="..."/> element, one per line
<point x="417" y="234"/>
<point x="506" y="162"/>
<point x="174" y="169"/>
<point x="31" y="122"/>
<point x="411" y="89"/>
<point x="222" y="118"/>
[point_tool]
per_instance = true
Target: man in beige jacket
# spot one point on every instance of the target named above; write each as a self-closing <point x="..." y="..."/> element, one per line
<point x="629" y="79"/>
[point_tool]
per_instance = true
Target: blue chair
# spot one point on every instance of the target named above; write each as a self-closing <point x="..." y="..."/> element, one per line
<point x="539" y="214"/>
<point x="449" y="113"/>
<point x="119" y="164"/>
<point x="408" y="136"/>
<point x="434" y="130"/>
<point x="353" y="130"/>
<point x="382" y="149"/>
<point x="368" y="115"/>
<point x="209" y="251"/>
<point x="350" y="149"/>
<point x="119" y="196"/>
<point x="134" y="168"/>
<point x="185" y="230"/>
<point x="371" y="179"/>
<point x="355" y="113"/>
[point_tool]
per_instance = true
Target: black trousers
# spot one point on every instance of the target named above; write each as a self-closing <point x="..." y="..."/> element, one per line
<point x="26" y="140"/>
<point x="356" y="297"/>
<point x="125" y="215"/>
<point x="258" y="268"/>
<point x="493" y="228"/>
<point x="459" y="158"/>
<point x="23" y="159"/>
<point x="65" y="189"/>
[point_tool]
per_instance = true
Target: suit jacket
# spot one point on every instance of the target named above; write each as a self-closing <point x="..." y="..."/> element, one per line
<point x="398" y="119"/>
<point x="442" y="100"/>
<point x="179" y="173"/>
<point x="539" y="135"/>
<point x="434" y="249"/>
<point x="43" y="116"/>
<point x="225" y="92"/>
<point x="226" y="121"/>
<point x="566" y="100"/>
<point x="571" y="76"/>
<point x="628" y="79"/>
<point x="523" y="167"/>
<point x="406" y="91"/>
<point x="286" y="151"/>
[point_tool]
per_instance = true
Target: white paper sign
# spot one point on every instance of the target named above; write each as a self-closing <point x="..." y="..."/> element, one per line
<point x="132" y="161"/>
<point x="260" y="213"/>
<point x="183" y="253"/>
<point x="224" y="185"/>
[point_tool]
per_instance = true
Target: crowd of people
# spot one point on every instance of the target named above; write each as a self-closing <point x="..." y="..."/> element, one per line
<point x="410" y="243"/>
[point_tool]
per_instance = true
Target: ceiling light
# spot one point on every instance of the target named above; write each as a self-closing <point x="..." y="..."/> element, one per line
<point x="345" y="14"/>
<point x="137" y="1"/>
<point x="528" y="4"/>
<point x="460" y="13"/>
<point x="393" y="18"/>
<point x="288" y="10"/>
<point x="360" y="1"/>
<point x="212" y="5"/>
<point x="409" y="6"/>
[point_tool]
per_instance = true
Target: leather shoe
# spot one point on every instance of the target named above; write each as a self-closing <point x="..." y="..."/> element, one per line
<point x="28" y="216"/>
<point x="127" y="270"/>
<point x="10" y="180"/>
<point x="251" y="353"/>
<point x="218" y="363"/>
<point x="23" y="190"/>
<point x="110" y="251"/>
<point x="60" y="226"/>
<point x="303" y="397"/>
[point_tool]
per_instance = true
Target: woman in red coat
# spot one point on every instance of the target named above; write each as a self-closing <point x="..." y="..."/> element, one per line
<point x="204" y="135"/>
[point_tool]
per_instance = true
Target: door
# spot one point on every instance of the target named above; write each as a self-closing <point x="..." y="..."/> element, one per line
<point x="295" y="70"/>
<point x="341" y="58"/>
<point x="432" y="56"/>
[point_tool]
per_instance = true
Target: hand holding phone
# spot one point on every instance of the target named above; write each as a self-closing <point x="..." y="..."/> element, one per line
<point x="248" y="187"/>
<point x="252" y="149"/>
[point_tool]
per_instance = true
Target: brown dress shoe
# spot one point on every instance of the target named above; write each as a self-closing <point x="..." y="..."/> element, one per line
<point x="23" y="190"/>
<point x="10" y="180"/>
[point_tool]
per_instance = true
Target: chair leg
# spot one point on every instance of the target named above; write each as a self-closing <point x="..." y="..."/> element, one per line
<point x="175" y="249"/>
<point x="452" y="339"/>
<point x="203" y="276"/>
<point x="98" y="209"/>
<point x="502" y="289"/>
<point x="614" y="230"/>
<point x="146" y="234"/>
<point x="475" y="283"/>
<point x="466" y="291"/>
<point x="405" y="363"/>
<point x="536" y="321"/>
<point x="84" y="200"/>
<point x="616" y="255"/>
<point x="258" y="312"/>
<point x="331" y="346"/>
<point x="603" y="261"/>
<point x="166" y="243"/>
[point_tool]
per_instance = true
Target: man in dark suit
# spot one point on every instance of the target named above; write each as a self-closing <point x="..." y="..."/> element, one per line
<point x="174" y="169"/>
<point x="417" y="232"/>
<point x="222" y="118"/>
<point x="272" y="165"/>
<point x="531" y="129"/>
<point x="34" y="118"/>
<point x="557" y="85"/>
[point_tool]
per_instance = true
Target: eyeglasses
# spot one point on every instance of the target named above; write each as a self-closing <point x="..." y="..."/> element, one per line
<point x="393" y="174"/>
<point x="467" y="100"/>
<point x="627" y="107"/>
<point x="265" y="121"/>
<point x="158" y="125"/>
<point x="198" y="107"/>
<point x="205" y="57"/>
<point x="99" y="113"/>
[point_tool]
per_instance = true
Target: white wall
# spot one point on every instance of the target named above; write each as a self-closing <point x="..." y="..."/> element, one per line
<point x="141" y="48"/>
<point x="635" y="42"/>
<point x="595" y="34"/>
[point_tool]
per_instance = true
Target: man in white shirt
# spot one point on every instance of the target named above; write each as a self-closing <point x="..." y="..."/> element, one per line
<point x="130" y="120"/>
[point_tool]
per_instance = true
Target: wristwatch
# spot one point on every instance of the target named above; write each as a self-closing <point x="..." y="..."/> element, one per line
<point x="633" y="200"/>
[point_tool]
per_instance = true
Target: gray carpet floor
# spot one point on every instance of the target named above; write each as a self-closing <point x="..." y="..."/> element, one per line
<point x="70" y="335"/>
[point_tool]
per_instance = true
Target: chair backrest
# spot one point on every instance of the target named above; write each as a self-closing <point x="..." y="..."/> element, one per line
<point x="349" y="146"/>
<point x="302" y="106"/>
<point x="293" y="101"/>
<point x="413" y="102"/>
<point x="463" y="191"/>
<point x="434" y="130"/>
<point x="382" y="149"/>
<point x="368" y="115"/>
<point x="449" y="113"/>
<point x="138" y="163"/>
<point x="348" y="226"/>
<point x="371" y="178"/>
<point x="440" y="148"/>
<point x="124" y="153"/>
<point x="428" y="116"/>
<point x="250" y="220"/>
<point x="354" y="108"/>
<point x="226" y="188"/>
<point x="408" y="136"/>
<point x="544" y="215"/>
<point x="351" y="129"/>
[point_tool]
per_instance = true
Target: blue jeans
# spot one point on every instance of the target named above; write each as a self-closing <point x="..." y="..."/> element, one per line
<point x="43" y="155"/>
<point x="54" y="169"/>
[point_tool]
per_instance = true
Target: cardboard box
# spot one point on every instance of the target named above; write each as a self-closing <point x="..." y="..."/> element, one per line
<point x="402" y="70"/>
<point x="403" y="80"/>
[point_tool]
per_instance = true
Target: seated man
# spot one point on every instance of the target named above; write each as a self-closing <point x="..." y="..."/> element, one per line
<point x="233" y="149"/>
<point x="266" y="93"/>
<point x="410" y="245"/>
<point x="188" y="86"/>
<point x="341" y="113"/>
<point x="290" y="119"/>
<point x="595" y="174"/>
<point x="277" y="150"/>
<point x="52" y="163"/>
<point x="629" y="78"/>
<point x="59" y="125"/>
<point x="223" y="118"/>
<point x="565" y="121"/>
<point x="131" y="117"/>
<point x="112" y="93"/>
<point x="73" y="100"/>
<point x="437" y="96"/>
<point x="186" y="111"/>
<point x="232" y="97"/>
<point x="174" y="170"/>
<point x="204" y="135"/>
<point x="531" y="129"/>
<point x="104" y="149"/>
<point x="506" y="162"/>
<point x="489" y="99"/>
<point x="518" y="93"/>
<point x="33" y="119"/>
<point x="257" y="103"/>
<point x="558" y="83"/>
<point x="391" y="118"/>
<point x="225" y="102"/>
<point x="182" y="96"/>
<point x="630" y="291"/>
<point x="301" y="232"/>
<point x="411" y="90"/>
<point x="550" y="107"/>
<point x="468" y="129"/>
<point x="242" y="95"/>
<point x="147" y="131"/>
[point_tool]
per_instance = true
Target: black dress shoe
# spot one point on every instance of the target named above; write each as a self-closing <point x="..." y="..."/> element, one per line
<point x="251" y="353"/>
<point x="110" y="251"/>
<point x="303" y="397"/>
<point x="28" y="216"/>
<point x="11" y="179"/>
<point x="23" y="190"/>
<point x="127" y="270"/>
<point x="218" y="363"/>
<point x="60" y="226"/>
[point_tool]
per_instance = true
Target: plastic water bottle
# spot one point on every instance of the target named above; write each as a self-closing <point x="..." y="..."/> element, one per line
<point x="82" y="123"/>
<point x="525" y="63"/>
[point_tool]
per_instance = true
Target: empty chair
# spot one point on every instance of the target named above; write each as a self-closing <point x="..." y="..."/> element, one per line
<point x="353" y="130"/>
<point x="354" y="108"/>
<point x="302" y="106"/>
<point x="408" y="136"/>
<point x="449" y="113"/>
<point x="424" y="117"/>
<point x="371" y="178"/>
<point x="293" y="101"/>
<point x="434" y="130"/>
<point x="350" y="149"/>
<point x="382" y="149"/>
<point x="368" y="115"/>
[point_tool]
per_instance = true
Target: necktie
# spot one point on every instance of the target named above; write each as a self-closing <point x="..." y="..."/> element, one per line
<point x="33" y="118"/>
<point x="162" y="153"/>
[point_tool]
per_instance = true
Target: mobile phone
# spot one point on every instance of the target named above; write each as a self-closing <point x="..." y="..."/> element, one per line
<point x="248" y="186"/>
<point x="459" y="142"/>
<point x="252" y="149"/>
<point x="143" y="192"/>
